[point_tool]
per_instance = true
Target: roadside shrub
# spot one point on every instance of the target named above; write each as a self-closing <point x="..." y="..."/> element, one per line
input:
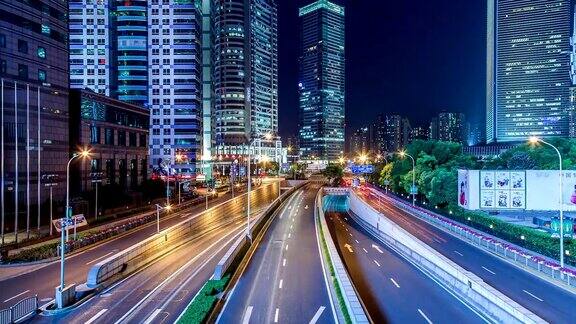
<point x="202" y="305"/>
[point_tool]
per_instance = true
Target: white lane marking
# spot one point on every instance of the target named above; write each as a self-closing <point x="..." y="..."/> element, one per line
<point x="280" y="284"/>
<point x="377" y="248"/>
<point x="284" y="262"/>
<point x="276" y="316"/>
<point x="100" y="258"/>
<point x="349" y="247"/>
<point x="151" y="318"/>
<point x="460" y="254"/>
<point x="378" y="264"/>
<point x="317" y="315"/>
<point x="492" y="272"/>
<point x="424" y="315"/>
<point x="395" y="283"/>
<point x="365" y="250"/>
<point x="289" y="235"/>
<point x="246" y="317"/>
<point x="16" y="296"/>
<point x="346" y="218"/>
<point x="346" y="229"/>
<point x="357" y="241"/>
<point x="529" y="293"/>
<point x="286" y="247"/>
<point x="291" y="226"/>
<point x="350" y="234"/>
<point x="95" y="317"/>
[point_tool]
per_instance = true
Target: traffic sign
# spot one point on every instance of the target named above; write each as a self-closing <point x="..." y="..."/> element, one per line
<point x="359" y="169"/>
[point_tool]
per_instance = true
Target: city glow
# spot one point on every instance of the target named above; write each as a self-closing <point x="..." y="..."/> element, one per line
<point x="533" y="139"/>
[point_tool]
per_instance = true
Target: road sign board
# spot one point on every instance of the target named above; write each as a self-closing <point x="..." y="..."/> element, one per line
<point x="359" y="169"/>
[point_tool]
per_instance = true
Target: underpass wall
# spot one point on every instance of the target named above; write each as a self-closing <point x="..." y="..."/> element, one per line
<point x="464" y="284"/>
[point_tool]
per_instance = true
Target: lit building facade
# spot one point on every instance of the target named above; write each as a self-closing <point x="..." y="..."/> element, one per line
<point x="34" y="107"/>
<point x="146" y="53"/>
<point x="245" y="70"/>
<point x="90" y="50"/>
<point x="528" y="69"/>
<point x="359" y="142"/>
<point x="175" y="89"/>
<point x="452" y="127"/>
<point x="116" y="133"/>
<point x="322" y="76"/>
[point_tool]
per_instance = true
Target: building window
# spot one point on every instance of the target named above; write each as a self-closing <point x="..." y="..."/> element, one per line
<point x="45" y="29"/>
<point x="23" y="71"/>
<point x="109" y="136"/>
<point x="94" y="134"/>
<point x="142" y="140"/>
<point x="132" y="139"/>
<point x="41" y="52"/>
<point x="22" y="46"/>
<point x="3" y="66"/>
<point x="42" y="75"/>
<point x="2" y="40"/>
<point x="121" y="138"/>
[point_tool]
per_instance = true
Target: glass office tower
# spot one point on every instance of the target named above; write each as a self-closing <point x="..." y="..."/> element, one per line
<point x="321" y="86"/>
<point x="528" y="75"/>
<point x="245" y="70"/>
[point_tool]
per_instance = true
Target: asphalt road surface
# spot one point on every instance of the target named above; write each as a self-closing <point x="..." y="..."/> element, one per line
<point x="42" y="281"/>
<point x="284" y="281"/>
<point x="392" y="289"/>
<point x="160" y="292"/>
<point x="550" y="302"/>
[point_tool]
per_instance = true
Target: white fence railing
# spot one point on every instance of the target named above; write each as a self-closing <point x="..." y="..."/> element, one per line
<point x="22" y="309"/>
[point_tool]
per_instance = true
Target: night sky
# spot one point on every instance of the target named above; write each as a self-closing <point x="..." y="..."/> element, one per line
<point x="415" y="58"/>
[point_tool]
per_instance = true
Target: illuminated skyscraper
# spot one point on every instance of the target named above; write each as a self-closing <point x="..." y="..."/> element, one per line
<point x="528" y="69"/>
<point x="245" y="70"/>
<point x="321" y="84"/>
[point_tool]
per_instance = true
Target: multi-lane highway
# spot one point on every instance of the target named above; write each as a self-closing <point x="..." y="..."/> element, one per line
<point x="284" y="280"/>
<point x="547" y="300"/>
<point x="160" y="292"/>
<point x="42" y="281"/>
<point x="392" y="289"/>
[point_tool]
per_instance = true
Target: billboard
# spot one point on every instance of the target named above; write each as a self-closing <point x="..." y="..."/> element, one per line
<point x="516" y="189"/>
<point x="502" y="189"/>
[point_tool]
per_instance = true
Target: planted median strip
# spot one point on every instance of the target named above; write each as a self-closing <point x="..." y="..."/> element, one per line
<point x="201" y="306"/>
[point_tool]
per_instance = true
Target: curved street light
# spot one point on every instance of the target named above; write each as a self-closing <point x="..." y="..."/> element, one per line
<point x="413" y="189"/>
<point x="536" y="140"/>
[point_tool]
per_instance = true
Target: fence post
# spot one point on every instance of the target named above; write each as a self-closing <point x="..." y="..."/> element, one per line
<point x="12" y="314"/>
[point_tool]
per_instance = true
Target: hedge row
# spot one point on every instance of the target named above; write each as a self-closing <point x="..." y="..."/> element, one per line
<point x="528" y="238"/>
<point x="202" y="304"/>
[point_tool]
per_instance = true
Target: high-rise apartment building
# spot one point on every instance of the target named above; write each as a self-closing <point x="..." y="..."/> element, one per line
<point x="34" y="108"/>
<point x="378" y="134"/>
<point x="359" y="141"/>
<point x="394" y="133"/>
<point x="321" y="85"/>
<point x="245" y="70"/>
<point x="452" y="127"/>
<point x="175" y="84"/>
<point x="146" y="53"/>
<point x="572" y="112"/>
<point x="528" y="69"/>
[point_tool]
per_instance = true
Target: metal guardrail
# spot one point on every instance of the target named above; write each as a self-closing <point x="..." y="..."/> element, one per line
<point x="22" y="309"/>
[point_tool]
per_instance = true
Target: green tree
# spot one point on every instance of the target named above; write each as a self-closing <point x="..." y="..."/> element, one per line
<point x="334" y="173"/>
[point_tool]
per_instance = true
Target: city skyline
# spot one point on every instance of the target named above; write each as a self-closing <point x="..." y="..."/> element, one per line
<point x="436" y="50"/>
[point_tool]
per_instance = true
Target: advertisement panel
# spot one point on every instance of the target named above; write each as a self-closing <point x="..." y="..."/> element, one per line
<point x="463" y="188"/>
<point x="502" y="180"/>
<point x="487" y="199"/>
<point x="76" y="220"/>
<point x="487" y="180"/>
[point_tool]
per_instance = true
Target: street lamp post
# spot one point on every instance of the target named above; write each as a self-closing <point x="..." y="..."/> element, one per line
<point x="535" y="140"/>
<point x="64" y="223"/>
<point x="248" y="196"/>
<point x="158" y="209"/>
<point x="413" y="189"/>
